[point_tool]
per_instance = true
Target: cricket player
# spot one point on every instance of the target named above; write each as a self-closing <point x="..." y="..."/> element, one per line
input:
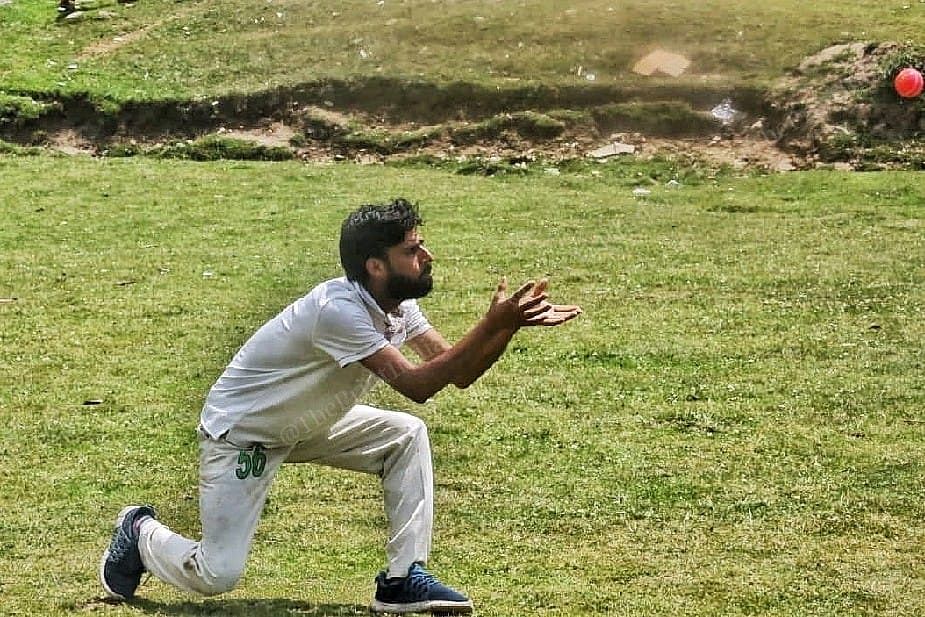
<point x="292" y="394"/>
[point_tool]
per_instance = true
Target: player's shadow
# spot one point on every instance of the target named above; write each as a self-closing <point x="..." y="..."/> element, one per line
<point x="251" y="607"/>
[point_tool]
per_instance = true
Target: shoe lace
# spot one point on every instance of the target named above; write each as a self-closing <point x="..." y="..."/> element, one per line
<point x="420" y="580"/>
<point x="121" y="547"/>
<point x="122" y="550"/>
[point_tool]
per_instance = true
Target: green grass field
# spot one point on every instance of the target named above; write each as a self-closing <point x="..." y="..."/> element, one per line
<point x="733" y="427"/>
<point x="191" y="49"/>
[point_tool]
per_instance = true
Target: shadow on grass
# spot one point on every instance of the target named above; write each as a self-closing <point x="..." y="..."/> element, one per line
<point x="253" y="607"/>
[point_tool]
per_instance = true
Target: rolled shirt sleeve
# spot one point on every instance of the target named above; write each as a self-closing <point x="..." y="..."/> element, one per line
<point x="416" y="323"/>
<point x="346" y="332"/>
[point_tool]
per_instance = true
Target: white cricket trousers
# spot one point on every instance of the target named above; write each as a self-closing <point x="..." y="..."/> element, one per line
<point x="234" y="481"/>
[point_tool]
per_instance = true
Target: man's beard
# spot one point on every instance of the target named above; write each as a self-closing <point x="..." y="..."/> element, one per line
<point x="401" y="287"/>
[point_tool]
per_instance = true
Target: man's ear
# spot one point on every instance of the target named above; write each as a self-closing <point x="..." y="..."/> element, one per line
<point x="376" y="268"/>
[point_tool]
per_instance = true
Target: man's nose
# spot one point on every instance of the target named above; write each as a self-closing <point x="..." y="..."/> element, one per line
<point x="427" y="255"/>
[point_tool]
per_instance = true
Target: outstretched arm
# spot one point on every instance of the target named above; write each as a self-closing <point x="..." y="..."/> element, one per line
<point x="428" y="345"/>
<point x="549" y="315"/>
<point x="468" y="359"/>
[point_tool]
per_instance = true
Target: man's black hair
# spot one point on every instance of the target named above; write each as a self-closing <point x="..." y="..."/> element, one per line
<point x="370" y="231"/>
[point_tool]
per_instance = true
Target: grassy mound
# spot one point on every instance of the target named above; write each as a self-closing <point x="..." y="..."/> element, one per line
<point x="840" y="105"/>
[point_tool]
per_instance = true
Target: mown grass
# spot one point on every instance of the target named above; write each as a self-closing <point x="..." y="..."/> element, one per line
<point x="733" y="427"/>
<point x="206" y="48"/>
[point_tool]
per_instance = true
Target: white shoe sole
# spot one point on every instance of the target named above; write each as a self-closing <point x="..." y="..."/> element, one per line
<point x="119" y="520"/>
<point x="443" y="607"/>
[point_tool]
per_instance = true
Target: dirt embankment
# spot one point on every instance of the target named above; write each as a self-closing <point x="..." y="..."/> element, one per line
<point x="835" y="108"/>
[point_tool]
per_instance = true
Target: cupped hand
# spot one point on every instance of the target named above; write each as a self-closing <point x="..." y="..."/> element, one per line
<point x="528" y="306"/>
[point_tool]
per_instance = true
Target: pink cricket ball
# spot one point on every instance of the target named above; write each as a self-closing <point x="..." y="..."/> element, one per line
<point x="909" y="83"/>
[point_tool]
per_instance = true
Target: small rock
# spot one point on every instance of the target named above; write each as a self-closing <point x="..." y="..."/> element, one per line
<point x="641" y="192"/>
<point x="784" y="165"/>
<point x="757" y="129"/>
<point x="612" y="149"/>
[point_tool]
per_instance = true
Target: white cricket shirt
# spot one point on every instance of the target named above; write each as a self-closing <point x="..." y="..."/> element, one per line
<point x="300" y="372"/>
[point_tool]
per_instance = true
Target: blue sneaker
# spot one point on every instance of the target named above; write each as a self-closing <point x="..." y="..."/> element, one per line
<point x="121" y="567"/>
<point x="419" y="592"/>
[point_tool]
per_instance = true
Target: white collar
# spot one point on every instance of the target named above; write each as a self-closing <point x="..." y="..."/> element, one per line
<point x="372" y="304"/>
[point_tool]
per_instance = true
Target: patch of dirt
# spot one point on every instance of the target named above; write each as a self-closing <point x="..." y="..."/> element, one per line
<point x="107" y="46"/>
<point x="275" y="135"/>
<point x="736" y="152"/>
<point x="716" y="150"/>
<point x="69" y="141"/>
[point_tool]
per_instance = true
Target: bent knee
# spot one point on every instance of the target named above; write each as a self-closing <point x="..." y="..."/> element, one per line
<point x="221" y="584"/>
<point x="215" y="581"/>
<point x="410" y="423"/>
<point x="412" y="426"/>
